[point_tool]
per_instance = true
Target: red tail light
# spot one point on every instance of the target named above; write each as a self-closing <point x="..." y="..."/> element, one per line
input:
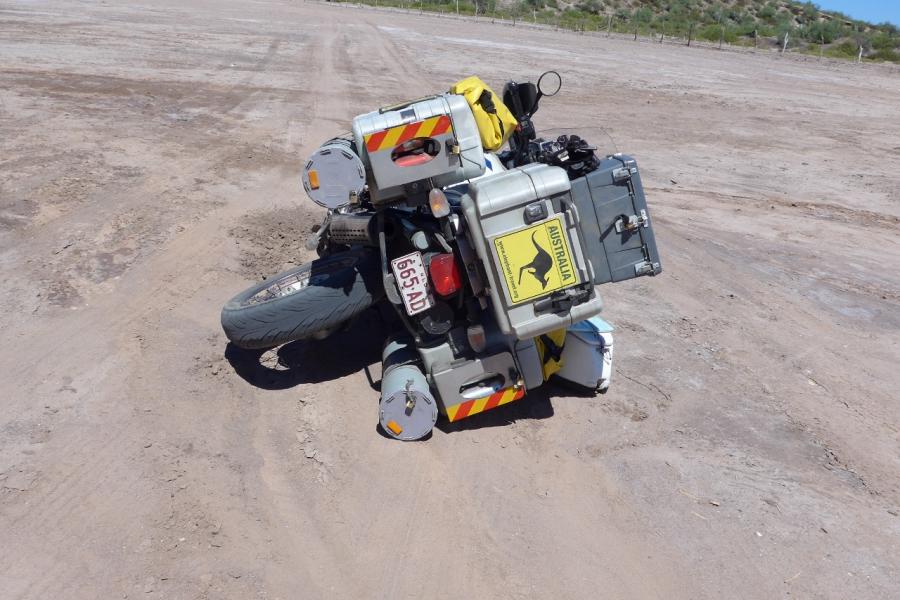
<point x="445" y="274"/>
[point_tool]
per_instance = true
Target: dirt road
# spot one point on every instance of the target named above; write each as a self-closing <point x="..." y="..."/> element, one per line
<point x="149" y="160"/>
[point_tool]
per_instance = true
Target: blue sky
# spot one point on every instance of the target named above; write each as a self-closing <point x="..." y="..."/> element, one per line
<point x="875" y="11"/>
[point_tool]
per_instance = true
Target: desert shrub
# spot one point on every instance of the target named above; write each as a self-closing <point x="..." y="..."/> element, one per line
<point x="821" y="30"/>
<point x="810" y="11"/>
<point x="884" y="41"/>
<point x="710" y="33"/>
<point x="767" y="12"/>
<point x="887" y="54"/>
<point x="642" y="15"/>
<point x="888" y="28"/>
<point x="845" y="49"/>
<point x="590" y="6"/>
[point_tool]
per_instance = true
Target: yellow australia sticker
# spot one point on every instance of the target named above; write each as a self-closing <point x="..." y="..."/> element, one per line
<point x="536" y="260"/>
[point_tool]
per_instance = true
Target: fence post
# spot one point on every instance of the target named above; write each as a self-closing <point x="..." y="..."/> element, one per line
<point x="755" y="37"/>
<point x="822" y="46"/>
<point x="690" y="33"/>
<point x="662" y="34"/>
<point x="787" y="35"/>
<point x="635" y="31"/>
<point x="609" y="26"/>
<point x="859" y="58"/>
<point x="721" y="36"/>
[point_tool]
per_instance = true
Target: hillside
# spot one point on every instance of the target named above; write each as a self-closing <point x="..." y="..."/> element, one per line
<point x="750" y="22"/>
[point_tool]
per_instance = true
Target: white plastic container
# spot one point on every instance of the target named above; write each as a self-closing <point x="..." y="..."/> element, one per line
<point x="587" y="354"/>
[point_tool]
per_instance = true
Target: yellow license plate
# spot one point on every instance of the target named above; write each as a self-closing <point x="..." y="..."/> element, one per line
<point x="536" y="261"/>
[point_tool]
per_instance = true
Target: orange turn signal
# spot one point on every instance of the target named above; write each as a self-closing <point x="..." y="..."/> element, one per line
<point x="437" y="200"/>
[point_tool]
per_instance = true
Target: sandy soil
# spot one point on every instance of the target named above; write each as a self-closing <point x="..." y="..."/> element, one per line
<point x="149" y="160"/>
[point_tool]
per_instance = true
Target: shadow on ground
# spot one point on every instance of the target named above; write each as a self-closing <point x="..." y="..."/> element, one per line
<point x="312" y="361"/>
<point x="357" y="348"/>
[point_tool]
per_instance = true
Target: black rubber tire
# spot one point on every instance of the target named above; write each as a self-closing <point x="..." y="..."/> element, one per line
<point x="340" y="287"/>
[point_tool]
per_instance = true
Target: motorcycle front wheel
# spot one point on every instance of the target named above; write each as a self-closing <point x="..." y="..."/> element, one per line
<point x="305" y="301"/>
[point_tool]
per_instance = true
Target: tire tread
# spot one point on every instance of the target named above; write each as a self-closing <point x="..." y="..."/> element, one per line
<point x="305" y="312"/>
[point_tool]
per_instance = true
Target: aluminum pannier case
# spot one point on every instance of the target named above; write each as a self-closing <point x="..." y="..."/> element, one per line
<point x="410" y="148"/>
<point x="525" y="230"/>
<point x="615" y="221"/>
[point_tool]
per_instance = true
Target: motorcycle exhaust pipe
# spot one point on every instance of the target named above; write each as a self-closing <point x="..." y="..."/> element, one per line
<point x="353" y="229"/>
<point x="407" y="410"/>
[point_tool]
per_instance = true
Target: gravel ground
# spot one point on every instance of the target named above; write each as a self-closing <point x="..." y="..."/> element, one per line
<point x="149" y="160"/>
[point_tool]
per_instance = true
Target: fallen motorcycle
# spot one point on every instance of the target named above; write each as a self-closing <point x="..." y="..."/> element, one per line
<point x="491" y="260"/>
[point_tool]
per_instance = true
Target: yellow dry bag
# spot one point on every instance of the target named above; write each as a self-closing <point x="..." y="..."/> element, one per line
<point x="495" y="122"/>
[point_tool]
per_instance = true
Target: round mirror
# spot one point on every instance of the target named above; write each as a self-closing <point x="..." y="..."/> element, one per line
<point x="549" y="83"/>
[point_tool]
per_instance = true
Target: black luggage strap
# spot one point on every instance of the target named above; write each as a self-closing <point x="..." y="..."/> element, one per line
<point x="552" y="350"/>
<point x="486" y="100"/>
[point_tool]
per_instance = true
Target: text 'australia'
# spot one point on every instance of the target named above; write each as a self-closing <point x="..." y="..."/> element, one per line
<point x="559" y="252"/>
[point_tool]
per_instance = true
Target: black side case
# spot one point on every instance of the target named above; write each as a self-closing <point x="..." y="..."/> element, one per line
<point x="615" y="222"/>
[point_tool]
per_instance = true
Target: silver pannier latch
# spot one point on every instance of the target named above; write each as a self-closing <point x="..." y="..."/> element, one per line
<point x="621" y="174"/>
<point x="632" y="222"/>
<point x="646" y="268"/>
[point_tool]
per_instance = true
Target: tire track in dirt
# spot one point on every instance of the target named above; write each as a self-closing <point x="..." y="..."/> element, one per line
<point x="94" y="461"/>
<point x="337" y="63"/>
<point x="98" y="460"/>
<point x="325" y="53"/>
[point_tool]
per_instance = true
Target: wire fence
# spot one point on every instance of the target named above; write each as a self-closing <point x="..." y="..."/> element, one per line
<point x="641" y="33"/>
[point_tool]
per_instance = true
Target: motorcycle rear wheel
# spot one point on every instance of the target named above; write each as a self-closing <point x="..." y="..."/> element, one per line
<point x="305" y="301"/>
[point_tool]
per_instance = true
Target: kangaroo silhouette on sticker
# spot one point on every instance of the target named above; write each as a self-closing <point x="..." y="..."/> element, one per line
<point x="539" y="265"/>
<point x="536" y="260"/>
